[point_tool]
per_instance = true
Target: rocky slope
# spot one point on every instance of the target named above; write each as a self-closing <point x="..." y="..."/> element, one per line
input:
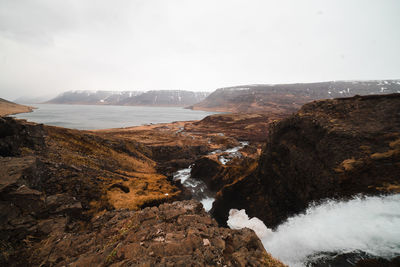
<point x="329" y="149"/>
<point x="130" y="98"/>
<point x="8" y="108"/>
<point x="178" y="234"/>
<point x="288" y="98"/>
<point x="52" y="175"/>
<point x="73" y="197"/>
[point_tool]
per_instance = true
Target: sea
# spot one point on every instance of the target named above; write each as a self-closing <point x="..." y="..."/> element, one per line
<point x="91" y="117"/>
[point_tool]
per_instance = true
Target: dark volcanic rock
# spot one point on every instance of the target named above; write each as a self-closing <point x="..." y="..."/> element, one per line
<point x="216" y="175"/>
<point x="177" y="234"/>
<point x="379" y="263"/>
<point x="15" y="135"/>
<point x="329" y="149"/>
<point x="350" y="259"/>
<point x="205" y="169"/>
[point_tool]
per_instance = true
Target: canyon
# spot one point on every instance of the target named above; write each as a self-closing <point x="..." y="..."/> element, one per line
<point x="328" y="149"/>
<point x="109" y="197"/>
<point x="62" y="184"/>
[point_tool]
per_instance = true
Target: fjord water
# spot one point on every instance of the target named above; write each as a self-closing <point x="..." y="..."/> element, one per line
<point x="90" y="117"/>
<point x="363" y="225"/>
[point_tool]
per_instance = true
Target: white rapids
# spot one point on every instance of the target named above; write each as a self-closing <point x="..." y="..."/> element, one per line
<point x="362" y="224"/>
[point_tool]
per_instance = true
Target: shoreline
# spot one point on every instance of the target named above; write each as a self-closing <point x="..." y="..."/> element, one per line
<point x="9" y="108"/>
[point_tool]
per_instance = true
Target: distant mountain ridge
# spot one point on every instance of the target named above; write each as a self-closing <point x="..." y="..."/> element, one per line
<point x="289" y="98"/>
<point x="130" y="98"/>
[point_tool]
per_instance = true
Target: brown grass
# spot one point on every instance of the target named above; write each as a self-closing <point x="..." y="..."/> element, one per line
<point x="130" y="168"/>
<point x="9" y="108"/>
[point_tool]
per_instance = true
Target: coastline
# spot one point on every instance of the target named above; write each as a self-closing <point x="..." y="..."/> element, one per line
<point x="9" y="108"/>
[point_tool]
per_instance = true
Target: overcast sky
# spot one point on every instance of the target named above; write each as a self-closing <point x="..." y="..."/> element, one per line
<point x="50" y="46"/>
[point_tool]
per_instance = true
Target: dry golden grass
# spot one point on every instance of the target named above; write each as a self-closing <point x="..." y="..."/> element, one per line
<point x="388" y="187"/>
<point x="9" y="108"/>
<point x="135" y="174"/>
<point x="394" y="151"/>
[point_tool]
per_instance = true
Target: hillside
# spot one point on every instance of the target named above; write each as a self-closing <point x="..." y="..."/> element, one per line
<point x="288" y="98"/>
<point x="130" y="98"/>
<point x="9" y="108"/>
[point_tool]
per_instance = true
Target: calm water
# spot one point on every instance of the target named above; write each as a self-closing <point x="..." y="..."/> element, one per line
<point x="89" y="117"/>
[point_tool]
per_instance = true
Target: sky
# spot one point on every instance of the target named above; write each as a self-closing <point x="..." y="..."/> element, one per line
<point x="51" y="46"/>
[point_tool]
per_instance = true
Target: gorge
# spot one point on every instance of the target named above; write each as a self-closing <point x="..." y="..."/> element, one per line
<point x="311" y="177"/>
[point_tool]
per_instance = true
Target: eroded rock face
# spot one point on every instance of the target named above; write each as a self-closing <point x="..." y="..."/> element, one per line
<point x="205" y="169"/>
<point x="15" y="136"/>
<point x="329" y="149"/>
<point x="217" y="175"/>
<point x="177" y="234"/>
<point x="27" y="215"/>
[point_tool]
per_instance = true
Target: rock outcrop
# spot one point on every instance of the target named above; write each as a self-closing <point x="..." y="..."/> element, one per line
<point x="329" y="149"/>
<point x="217" y="175"/>
<point x="177" y="234"/>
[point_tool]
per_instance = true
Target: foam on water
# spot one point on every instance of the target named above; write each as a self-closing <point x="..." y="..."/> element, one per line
<point x="207" y="203"/>
<point x="369" y="224"/>
<point x="238" y="219"/>
<point x="198" y="188"/>
<point x="183" y="174"/>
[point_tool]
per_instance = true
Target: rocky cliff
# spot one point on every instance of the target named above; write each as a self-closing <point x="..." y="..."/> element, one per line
<point x="288" y="98"/>
<point x="130" y="98"/>
<point x="329" y="149"/>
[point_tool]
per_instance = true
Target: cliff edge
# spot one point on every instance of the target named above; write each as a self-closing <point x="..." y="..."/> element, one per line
<point x="329" y="149"/>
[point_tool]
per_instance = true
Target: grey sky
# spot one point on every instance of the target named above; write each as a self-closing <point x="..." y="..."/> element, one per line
<point x="50" y="46"/>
